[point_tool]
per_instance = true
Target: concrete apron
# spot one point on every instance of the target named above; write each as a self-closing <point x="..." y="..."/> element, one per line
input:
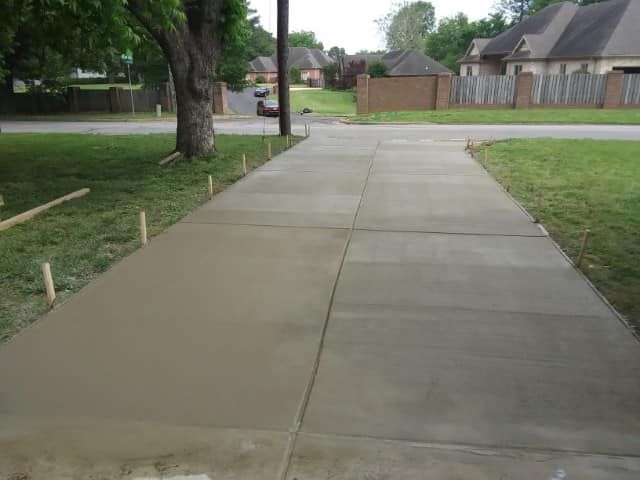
<point x="455" y="341"/>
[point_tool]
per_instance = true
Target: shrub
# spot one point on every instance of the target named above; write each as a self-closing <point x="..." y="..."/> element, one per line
<point x="295" y="75"/>
<point x="377" y="69"/>
<point x="261" y="79"/>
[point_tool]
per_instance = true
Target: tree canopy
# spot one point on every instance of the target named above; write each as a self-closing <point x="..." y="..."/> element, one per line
<point x="449" y="42"/>
<point x="517" y="10"/>
<point x="304" y="38"/>
<point x="407" y="25"/>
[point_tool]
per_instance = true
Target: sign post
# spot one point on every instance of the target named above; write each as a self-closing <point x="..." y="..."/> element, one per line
<point x="128" y="59"/>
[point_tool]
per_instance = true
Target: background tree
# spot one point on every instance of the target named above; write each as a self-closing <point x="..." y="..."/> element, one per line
<point x="515" y="10"/>
<point x="330" y="72"/>
<point x="260" y="43"/>
<point x="407" y="25"/>
<point x="304" y="38"/>
<point x="449" y="42"/>
<point x="377" y="69"/>
<point x="295" y="75"/>
<point x="49" y="36"/>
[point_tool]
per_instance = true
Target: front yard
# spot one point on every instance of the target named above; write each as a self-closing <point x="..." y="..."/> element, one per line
<point x="505" y="116"/>
<point x="324" y="102"/>
<point x="84" y="237"/>
<point x="584" y="184"/>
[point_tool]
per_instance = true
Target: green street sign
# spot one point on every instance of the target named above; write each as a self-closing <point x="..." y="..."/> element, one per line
<point x="127" y="58"/>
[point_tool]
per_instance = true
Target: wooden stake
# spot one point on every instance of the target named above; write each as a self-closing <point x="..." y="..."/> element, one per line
<point x="48" y="284"/>
<point x="244" y="163"/>
<point x="306" y="129"/>
<point x="269" y="150"/>
<point x="210" y="186"/>
<point x="538" y="218"/>
<point x="486" y="157"/>
<point x="143" y="228"/>
<point x="583" y="248"/>
<point x="509" y="178"/>
<point x="23" y="217"/>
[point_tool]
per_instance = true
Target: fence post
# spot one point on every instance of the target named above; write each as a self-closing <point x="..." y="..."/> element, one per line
<point x="73" y="94"/>
<point x="362" y="94"/>
<point x="443" y="91"/>
<point x="613" y="89"/>
<point x="114" y="100"/>
<point x="524" y="84"/>
<point x="220" y="102"/>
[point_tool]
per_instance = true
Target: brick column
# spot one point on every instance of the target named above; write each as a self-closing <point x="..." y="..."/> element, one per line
<point x="613" y="89"/>
<point x="442" y="91"/>
<point x="220" y="102"/>
<point x="114" y="100"/>
<point x="523" y="89"/>
<point x="72" y="97"/>
<point x="362" y="94"/>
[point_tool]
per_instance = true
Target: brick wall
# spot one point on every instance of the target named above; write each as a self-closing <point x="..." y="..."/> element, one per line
<point x="396" y="94"/>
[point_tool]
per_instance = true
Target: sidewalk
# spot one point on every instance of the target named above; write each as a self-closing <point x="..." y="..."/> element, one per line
<point x="366" y="305"/>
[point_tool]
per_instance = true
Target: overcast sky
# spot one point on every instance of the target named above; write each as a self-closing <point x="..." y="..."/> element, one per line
<point x="350" y="23"/>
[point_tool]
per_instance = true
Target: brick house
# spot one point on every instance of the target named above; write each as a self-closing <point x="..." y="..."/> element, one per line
<point x="310" y="62"/>
<point x="563" y="38"/>
<point x="400" y="63"/>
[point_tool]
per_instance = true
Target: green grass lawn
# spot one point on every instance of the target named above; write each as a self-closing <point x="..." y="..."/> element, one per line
<point x="324" y="102"/>
<point x="471" y="116"/>
<point x="84" y="237"/>
<point x="584" y="184"/>
<point x="91" y="117"/>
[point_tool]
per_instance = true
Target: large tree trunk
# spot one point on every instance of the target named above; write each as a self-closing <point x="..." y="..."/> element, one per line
<point x="194" y="98"/>
<point x="283" y="67"/>
<point x="191" y="48"/>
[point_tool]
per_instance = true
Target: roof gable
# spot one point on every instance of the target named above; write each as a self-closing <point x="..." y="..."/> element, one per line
<point x="412" y="62"/>
<point x="537" y="24"/>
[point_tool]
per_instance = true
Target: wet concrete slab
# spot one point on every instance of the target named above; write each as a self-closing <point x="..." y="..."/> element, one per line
<point x="286" y="198"/>
<point x="190" y="330"/>
<point x="442" y="163"/>
<point x="54" y="448"/>
<point x="474" y="340"/>
<point x="527" y="274"/>
<point x="441" y="203"/>
<point x="353" y="458"/>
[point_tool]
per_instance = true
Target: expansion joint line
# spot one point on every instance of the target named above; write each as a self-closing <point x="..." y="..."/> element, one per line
<point x="293" y="433"/>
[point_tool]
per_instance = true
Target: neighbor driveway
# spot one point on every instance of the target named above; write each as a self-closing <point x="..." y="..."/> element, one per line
<point x="367" y="305"/>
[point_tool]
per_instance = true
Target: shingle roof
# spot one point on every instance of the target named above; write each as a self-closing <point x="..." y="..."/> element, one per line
<point x="565" y="30"/>
<point x="412" y="62"/>
<point x="299" y="57"/>
<point x="262" y="64"/>
<point x="533" y="25"/>
<point x="480" y="44"/>
<point x="607" y="28"/>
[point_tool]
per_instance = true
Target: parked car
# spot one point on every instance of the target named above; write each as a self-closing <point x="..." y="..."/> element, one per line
<point x="261" y="92"/>
<point x="268" y="108"/>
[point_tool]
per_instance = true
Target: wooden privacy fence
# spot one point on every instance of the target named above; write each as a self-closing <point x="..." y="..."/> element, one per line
<point x="630" y="90"/>
<point x="568" y="89"/>
<point x="483" y="90"/>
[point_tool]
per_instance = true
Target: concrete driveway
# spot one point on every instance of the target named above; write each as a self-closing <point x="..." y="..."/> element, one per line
<point x="368" y="305"/>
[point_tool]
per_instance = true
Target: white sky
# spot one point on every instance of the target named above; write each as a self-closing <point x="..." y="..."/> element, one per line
<point x="350" y="23"/>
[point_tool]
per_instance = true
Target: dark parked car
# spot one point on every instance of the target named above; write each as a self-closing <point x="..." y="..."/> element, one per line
<point x="261" y="92"/>
<point x="268" y="108"/>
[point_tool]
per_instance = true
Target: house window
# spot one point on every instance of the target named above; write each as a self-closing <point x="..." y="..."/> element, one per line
<point x="517" y="69"/>
<point x="469" y="71"/>
<point x="305" y="76"/>
<point x="584" y="67"/>
<point x="563" y="69"/>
